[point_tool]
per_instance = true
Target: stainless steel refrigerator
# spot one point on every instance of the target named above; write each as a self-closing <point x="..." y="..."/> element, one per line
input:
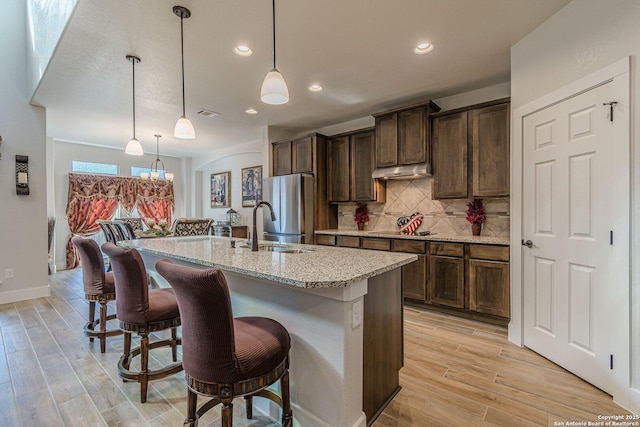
<point x="292" y="199"/>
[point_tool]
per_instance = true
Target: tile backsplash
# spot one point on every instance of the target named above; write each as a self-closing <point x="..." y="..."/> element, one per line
<point x="405" y="197"/>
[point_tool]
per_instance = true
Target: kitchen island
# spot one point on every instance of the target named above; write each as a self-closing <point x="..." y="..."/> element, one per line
<point x="342" y="308"/>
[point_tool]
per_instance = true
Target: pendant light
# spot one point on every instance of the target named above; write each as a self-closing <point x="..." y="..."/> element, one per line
<point x="133" y="146"/>
<point x="184" y="129"/>
<point x="156" y="166"/>
<point x="274" y="89"/>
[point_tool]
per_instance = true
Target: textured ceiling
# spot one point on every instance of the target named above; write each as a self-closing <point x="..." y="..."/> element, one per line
<point x="361" y="51"/>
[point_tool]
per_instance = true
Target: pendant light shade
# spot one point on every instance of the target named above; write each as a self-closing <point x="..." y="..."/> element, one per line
<point x="133" y="146"/>
<point x="274" y="89"/>
<point x="184" y="129"/>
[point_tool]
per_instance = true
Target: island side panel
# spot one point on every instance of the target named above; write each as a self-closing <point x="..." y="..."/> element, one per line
<point x="383" y="342"/>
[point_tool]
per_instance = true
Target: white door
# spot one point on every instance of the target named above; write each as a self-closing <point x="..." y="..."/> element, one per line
<point x="576" y="295"/>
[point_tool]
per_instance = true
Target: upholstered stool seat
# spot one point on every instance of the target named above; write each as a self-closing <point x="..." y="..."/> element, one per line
<point x="223" y="357"/>
<point x="98" y="287"/>
<point x="142" y="311"/>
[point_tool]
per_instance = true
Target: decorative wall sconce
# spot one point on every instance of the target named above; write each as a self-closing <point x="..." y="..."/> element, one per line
<point x="22" y="175"/>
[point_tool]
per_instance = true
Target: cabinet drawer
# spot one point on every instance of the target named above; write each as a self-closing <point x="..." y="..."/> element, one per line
<point x="376" y="243"/>
<point x="348" y="241"/>
<point x="495" y="253"/>
<point x="325" y="239"/>
<point x="447" y="249"/>
<point x="410" y="246"/>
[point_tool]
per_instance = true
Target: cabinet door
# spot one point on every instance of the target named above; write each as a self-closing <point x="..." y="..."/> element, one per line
<point x="489" y="287"/>
<point x="414" y="279"/>
<point x="446" y="281"/>
<point x="412" y="136"/>
<point x="281" y="158"/>
<point x="362" y="165"/>
<point x="387" y="140"/>
<point x="338" y="169"/>
<point x="302" y="155"/>
<point x="449" y="149"/>
<point x="490" y="150"/>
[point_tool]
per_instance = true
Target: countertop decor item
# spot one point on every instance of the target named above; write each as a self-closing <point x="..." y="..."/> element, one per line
<point x="476" y="216"/>
<point x="409" y="225"/>
<point x="361" y="215"/>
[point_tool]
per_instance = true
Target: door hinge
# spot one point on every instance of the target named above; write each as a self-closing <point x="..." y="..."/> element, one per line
<point x="611" y="361"/>
<point x="611" y="105"/>
<point x="611" y="237"/>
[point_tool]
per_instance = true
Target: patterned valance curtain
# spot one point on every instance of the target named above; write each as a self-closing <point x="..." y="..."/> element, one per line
<point x="95" y="197"/>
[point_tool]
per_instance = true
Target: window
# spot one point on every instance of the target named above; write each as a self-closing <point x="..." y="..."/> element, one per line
<point x="91" y="167"/>
<point x="136" y="170"/>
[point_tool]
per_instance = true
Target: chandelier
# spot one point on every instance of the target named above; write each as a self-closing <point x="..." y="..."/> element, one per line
<point x="154" y="169"/>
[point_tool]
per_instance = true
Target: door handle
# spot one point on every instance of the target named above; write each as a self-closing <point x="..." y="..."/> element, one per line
<point x="528" y="243"/>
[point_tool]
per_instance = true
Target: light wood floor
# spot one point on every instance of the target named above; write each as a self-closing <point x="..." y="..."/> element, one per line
<point x="457" y="373"/>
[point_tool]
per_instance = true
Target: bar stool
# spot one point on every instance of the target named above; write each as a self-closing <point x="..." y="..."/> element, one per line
<point x="225" y="357"/>
<point x="98" y="287"/>
<point x="142" y="311"/>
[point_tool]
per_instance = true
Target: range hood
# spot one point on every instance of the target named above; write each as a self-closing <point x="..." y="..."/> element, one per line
<point x="419" y="170"/>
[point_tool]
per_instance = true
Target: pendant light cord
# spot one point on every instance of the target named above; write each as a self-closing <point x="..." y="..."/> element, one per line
<point x="133" y="66"/>
<point x="182" y="55"/>
<point x="273" y="14"/>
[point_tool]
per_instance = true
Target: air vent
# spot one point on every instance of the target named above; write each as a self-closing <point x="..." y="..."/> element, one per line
<point x="206" y="113"/>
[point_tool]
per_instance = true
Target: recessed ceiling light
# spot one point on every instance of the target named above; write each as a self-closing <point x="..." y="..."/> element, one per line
<point x="242" y="50"/>
<point x="423" y="48"/>
<point x="315" y="87"/>
<point x="251" y="111"/>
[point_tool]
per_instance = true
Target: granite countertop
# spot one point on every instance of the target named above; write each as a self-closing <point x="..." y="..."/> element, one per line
<point x="318" y="267"/>
<point x="485" y="240"/>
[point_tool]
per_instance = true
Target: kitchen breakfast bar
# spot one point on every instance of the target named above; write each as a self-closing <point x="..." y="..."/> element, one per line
<point x="341" y="306"/>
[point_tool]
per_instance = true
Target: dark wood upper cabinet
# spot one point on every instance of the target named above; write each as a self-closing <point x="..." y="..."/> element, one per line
<point x="490" y="150"/>
<point x="387" y="140"/>
<point x="402" y="135"/>
<point x="338" y="170"/>
<point x="363" y="187"/>
<point x="281" y="158"/>
<point x="470" y="151"/>
<point x="449" y="149"/>
<point x="413" y="136"/>
<point x="302" y="155"/>
<point x="351" y="160"/>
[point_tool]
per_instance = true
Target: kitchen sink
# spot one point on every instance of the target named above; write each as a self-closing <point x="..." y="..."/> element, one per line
<point x="285" y="249"/>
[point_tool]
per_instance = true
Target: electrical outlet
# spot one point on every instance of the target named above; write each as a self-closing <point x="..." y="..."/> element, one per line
<point x="356" y="310"/>
<point x="9" y="273"/>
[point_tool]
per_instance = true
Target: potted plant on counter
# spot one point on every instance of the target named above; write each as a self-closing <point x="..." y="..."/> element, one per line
<point x="476" y="216"/>
<point x="361" y="215"/>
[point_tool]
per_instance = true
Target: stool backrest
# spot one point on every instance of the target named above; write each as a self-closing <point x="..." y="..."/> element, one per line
<point x="191" y="226"/>
<point x="92" y="264"/>
<point x="208" y="350"/>
<point x="130" y="278"/>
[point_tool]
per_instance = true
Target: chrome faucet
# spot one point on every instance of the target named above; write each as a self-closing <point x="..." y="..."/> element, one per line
<point x="254" y="233"/>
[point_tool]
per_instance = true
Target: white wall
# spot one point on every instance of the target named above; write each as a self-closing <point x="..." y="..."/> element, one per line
<point x="23" y="219"/>
<point x="64" y="153"/>
<point x="583" y="37"/>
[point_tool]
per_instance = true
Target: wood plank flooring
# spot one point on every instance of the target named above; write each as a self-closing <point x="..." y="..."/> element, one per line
<point x="457" y="373"/>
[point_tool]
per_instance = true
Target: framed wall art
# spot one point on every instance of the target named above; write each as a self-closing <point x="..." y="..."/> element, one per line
<point x="251" y="185"/>
<point x="221" y="190"/>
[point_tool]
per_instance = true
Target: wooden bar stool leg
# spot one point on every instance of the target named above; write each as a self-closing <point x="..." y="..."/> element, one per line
<point x="287" y="415"/>
<point x="248" y="403"/>
<point x="127" y="348"/>
<point x="174" y="344"/>
<point x="227" y="412"/>
<point x="103" y="326"/>
<point x="92" y="316"/>
<point x="192" y="405"/>
<point x="143" y="377"/>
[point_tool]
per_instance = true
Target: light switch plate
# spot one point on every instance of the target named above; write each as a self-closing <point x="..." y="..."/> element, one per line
<point x="9" y="273"/>
<point x="356" y="310"/>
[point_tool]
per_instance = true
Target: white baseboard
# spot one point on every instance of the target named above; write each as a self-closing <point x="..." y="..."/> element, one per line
<point x="24" y="294"/>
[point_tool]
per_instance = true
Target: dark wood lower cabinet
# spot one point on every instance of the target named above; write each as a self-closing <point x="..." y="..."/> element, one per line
<point x="489" y="287"/>
<point x="446" y="281"/>
<point x="414" y="279"/>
